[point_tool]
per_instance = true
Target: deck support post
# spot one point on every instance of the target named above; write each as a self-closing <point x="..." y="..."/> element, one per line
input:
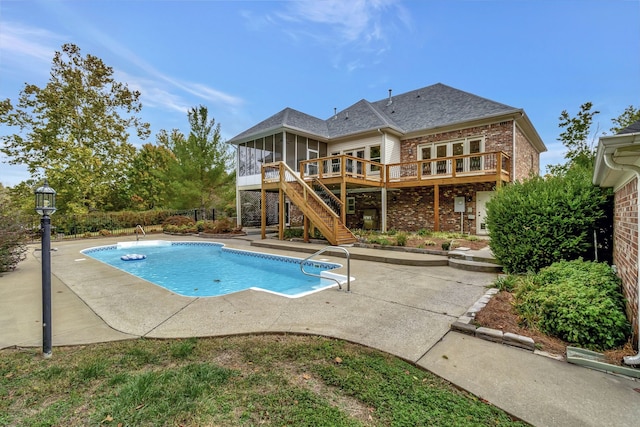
<point x="263" y="213"/>
<point x="436" y="207"/>
<point x="383" y="196"/>
<point x="282" y="213"/>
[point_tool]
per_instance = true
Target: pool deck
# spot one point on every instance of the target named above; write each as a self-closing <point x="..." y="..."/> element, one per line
<point x="405" y="310"/>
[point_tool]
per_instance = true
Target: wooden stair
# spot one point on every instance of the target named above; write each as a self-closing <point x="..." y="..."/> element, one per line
<point x="314" y="208"/>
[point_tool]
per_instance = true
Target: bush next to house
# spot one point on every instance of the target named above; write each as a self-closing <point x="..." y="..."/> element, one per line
<point x="577" y="301"/>
<point x="543" y="220"/>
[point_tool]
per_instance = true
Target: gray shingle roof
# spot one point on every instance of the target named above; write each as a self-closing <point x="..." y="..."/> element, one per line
<point x="632" y="128"/>
<point x="422" y="109"/>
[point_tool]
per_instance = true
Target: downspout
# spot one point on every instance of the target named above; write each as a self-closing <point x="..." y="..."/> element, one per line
<point x="513" y="151"/>
<point x="608" y="160"/>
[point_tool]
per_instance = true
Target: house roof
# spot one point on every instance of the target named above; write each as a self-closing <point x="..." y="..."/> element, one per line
<point x="618" y="157"/>
<point x="632" y="128"/>
<point x="423" y="109"/>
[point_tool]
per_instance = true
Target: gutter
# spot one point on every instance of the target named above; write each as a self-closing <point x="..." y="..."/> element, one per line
<point x="611" y="163"/>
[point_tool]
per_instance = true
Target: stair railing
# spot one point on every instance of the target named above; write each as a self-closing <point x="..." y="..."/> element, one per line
<point x="288" y="175"/>
<point x="327" y="195"/>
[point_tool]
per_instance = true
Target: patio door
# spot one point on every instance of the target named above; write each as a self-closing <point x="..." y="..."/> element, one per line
<point x="353" y="166"/>
<point x="442" y="166"/>
<point x="312" y="168"/>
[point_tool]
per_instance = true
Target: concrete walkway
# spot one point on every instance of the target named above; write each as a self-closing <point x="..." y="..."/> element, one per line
<point x="404" y="310"/>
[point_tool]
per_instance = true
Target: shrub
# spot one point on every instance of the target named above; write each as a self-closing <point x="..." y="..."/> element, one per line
<point x="423" y="232"/>
<point x="401" y="238"/>
<point x="577" y="301"/>
<point x="446" y="246"/>
<point x="179" y="220"/>
<point x="293" y="233"/>
<point x="13" y="237"/>
<point x="543" y="220"/>
<point x="429" y="243"/>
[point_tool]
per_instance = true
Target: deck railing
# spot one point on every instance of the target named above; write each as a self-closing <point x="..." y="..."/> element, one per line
<point x="342" y="166"/>
<point x="488" y="164"/>
<point x="491" y="163"/>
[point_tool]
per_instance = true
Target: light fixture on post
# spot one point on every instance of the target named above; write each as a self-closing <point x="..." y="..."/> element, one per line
<point x="45" y="206"/>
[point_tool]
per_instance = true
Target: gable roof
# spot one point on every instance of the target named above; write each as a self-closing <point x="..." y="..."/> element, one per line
<point x="423" y="109"/>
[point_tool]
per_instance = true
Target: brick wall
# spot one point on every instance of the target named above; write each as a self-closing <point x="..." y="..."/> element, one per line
<point x="625" y="251"/>
<point x="498" y="137"/>
<point x="412" y="209"/>
<point x="527" y="159"/>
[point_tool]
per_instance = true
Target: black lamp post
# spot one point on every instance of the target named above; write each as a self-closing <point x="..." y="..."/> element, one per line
<point x="45" y="206"/>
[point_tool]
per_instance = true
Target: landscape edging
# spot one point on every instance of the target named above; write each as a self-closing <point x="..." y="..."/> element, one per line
<point x="465" y="325"/>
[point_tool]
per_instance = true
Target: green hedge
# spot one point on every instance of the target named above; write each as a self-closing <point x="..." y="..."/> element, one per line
<point x="534" y="223"/>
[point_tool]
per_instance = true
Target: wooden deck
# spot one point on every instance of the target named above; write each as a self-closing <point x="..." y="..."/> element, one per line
<point x="470" y="168"/>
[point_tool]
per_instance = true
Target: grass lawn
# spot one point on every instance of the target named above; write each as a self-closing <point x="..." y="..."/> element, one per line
<point x="249" y="380"/>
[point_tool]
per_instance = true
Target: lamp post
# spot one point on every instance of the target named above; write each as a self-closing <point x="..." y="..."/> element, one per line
<point x="45" y="206"/>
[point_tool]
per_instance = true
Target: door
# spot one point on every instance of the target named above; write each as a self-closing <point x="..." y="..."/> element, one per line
<point x="442" y="166"/>
<point x="355" y="169"/>
<point x="287" y="213"/>
<point x="482" y="197"/>
<point x="312" y="168"/>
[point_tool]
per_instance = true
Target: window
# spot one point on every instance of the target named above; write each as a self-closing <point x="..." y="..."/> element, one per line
<point x="351" y="205"/>
<point x="374" y="156"/>
<point x="460" y="149"/>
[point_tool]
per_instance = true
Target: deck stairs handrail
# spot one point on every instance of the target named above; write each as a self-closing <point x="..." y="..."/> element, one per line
<point x="302" y="263"/>
<point x="327" y="196"/>
<point x="311" y="204"/>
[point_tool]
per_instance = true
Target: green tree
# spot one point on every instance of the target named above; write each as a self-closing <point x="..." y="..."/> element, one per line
<point x="75" y="130"/>
<point x="629" y="115"/>
<point x="147" y="177"/>
<point x="577" y="139"/>
<point x="201" y="175"/>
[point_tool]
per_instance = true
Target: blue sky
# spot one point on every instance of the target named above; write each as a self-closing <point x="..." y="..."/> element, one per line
<point x="247" y="60"/>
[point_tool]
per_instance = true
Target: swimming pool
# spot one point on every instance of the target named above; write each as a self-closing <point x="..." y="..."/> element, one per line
<point x="207" y="269"/>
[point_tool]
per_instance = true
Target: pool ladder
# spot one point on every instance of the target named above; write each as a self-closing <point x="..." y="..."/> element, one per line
<point x="139" y="227"/>
<point x="330" y="278"/>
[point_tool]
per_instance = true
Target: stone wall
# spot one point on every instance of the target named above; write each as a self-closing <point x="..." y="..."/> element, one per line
<point x="625" y="252"/>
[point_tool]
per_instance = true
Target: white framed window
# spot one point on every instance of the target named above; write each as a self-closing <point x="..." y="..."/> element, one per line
<point x="447" y="149"/>
<point x="351" y="205"/>
<point x="374" y="156"/>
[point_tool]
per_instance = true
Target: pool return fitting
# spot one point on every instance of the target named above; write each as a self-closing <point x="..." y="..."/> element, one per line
<point x="325" y="277"/>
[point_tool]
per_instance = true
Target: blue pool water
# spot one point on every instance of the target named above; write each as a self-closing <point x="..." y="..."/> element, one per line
<point x="203" y="269"/>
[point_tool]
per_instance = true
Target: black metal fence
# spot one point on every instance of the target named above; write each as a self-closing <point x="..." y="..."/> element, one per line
<point x="113" y="223"/>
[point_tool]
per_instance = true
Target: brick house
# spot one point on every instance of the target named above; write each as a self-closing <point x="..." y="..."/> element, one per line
<point x="425" y="159"/>
<point x="618" y="166"/>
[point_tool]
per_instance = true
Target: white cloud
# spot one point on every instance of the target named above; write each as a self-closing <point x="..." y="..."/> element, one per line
<point x="354" y="21"/>
<point x="362" y="28"/>
<point x="17" y="40"/>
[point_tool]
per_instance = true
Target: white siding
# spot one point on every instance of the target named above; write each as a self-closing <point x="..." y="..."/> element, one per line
<point x="390" y="152"/>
